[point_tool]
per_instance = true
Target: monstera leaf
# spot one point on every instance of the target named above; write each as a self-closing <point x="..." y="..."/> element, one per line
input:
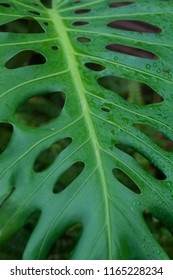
<point x="69" y="162"/>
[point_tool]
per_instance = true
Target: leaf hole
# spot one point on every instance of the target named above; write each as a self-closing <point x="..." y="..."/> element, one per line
<point x="149" y="95"/>
<point x="47" y="157"/>
<point x="23" y="25"/>
<point x="46" y="23"/>
<point x="167" y="71"/>
<point x="63" y="248"/>
<point x="142" y="161"/>
<point x="54" y="48"/>
<point x="34" y="13"/>
<point x="83" y="39"/>
<point x="119" y="4"/>
<point x="76" y="2"/>
<point x="25" y="58"/>
<point x="134" y="25"/>
<point x="132" y="91"/>
<point x="160" y="233"/>
<point x="156" y="136"/>
<point x="68" y="177"/>
<point x="105" y="109"/>
<point x="6" y="131"/>
<point x="14" y="247"/>
<point x="80" y="23"/>
<point x="124" y="179"/>
<point x="6" y="5"/>
<point x="47" y="3"/>
<point x="82" y="11"/>
<point x="131" y="51"/>
<point x="41" y="109"/>
<point x="95" y="66"/>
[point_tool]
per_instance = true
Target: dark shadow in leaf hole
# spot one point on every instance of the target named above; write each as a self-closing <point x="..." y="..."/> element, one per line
<point x="83" y="39"/>
<point x="133" y="91"/>
<point x="25" y="58"/>
<point x="82" y="11"/>
<point x="160" y="233"/>
<point x="68" y="177"/>
<point x="6" y="131"/>
<point x="47" y="157"/>
<point x="105" y="109"/>
<point x="62" y="249"/>
<point x="14" y="247"/>
<point x="80" y="23"/>
<point x="135" y="25"/>
<point x="156" y="136"/>
<point x="34" y="13"/>
<point x="47" y="3"/>
<point x="54" y="48"/>
<point x="76" y="2"/>
<point x="94" y="66"/>
<point x="131" y="51"/>
<point x="22" y="25"/>
<point x="6" y="5"/>
<point x="124" y="179"/>
<point x="41" y="109"/>
<point x="120" y="4"/>
<point x="142" y="161"/>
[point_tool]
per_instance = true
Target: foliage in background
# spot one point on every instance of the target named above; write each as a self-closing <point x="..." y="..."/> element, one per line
<point x="86" y="129"/>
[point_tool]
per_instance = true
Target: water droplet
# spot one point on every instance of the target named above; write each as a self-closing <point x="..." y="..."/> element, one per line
<point x="148" y="66"/>
<point x="158" y="70"/>
<point x="154" y="64"/>
<point x="158" y="252"/>
<point x="169" y="183"/>
<point x="115" y="58"/>
<point x="169" y="76"/>
<point x="158" y="35"/>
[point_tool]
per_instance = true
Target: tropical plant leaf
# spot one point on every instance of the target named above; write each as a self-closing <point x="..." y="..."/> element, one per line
<point x="67" y="59"/>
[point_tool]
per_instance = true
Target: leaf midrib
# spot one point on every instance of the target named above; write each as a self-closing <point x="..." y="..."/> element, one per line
<point x="80" y="91"/>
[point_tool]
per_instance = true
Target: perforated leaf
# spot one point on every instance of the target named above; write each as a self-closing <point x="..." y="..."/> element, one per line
<point x="69" y="127"/>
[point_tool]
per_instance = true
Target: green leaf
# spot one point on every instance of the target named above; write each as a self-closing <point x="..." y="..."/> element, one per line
<point x="76" y="136"/>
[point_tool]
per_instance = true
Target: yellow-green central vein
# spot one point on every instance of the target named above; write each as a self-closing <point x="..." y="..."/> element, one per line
<point x="74" y="71"/>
